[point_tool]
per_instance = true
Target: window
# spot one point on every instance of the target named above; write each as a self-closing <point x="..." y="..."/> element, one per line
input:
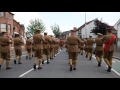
<point x="9" y="28"/>
<point x="1" y="14"/>
<point x="3" y="27"/>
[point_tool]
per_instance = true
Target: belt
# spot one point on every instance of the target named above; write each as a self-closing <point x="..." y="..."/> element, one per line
<point x="99" y="45"/>
<point x="72" y="44"/>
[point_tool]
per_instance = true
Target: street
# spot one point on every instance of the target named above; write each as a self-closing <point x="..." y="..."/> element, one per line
<point x="59" y="68"/>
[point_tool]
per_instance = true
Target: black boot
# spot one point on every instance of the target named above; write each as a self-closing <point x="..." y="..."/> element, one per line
<point x="74" y="68"/>
<point x="90" y="58"/>
<point x="0" y="66"/>
<point x="8" y="68"/>
<point x="70" y="67"/>
<point x="32" y="55"/>
<point x="99" y="64"/>
<point x="39" y="68"/>
<point x="48" y="62"/>
<point x="26" y="57"/>
<point x="14" y="61"/>
<point x="34" y="66"/>
<point x="86" y="56"/>
<point x="19" y="63"/>
<point x="109" y="69"/>
<point x="42" y="62"/>
<point x="81" y="53"/>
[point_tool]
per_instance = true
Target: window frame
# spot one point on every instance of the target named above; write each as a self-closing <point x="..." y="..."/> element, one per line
<point x="3" y="28"/>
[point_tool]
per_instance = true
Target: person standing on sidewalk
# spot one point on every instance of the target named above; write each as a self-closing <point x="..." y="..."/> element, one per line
<point x="99" y="48"/>
<point x="18" y="49"/>
<point x="73" y="42"/>
<point x="5" y="49"/>
<point x="109" y="40"/>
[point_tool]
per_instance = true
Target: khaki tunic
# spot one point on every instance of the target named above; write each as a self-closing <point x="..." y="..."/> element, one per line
<point x="73" y="42"/>
<point x="90" y="43"/>
<point x="86" y="45"/>
<point x="46" y="45"/>
<point x="110" y="52"/>
<point x="81" y="45"/>
<point x="28" y="45"/>
<point x="17" y="46"/>
<point x="38" y="44"/>
<point x="5" y="49"/>
<point x="99" y="47"/>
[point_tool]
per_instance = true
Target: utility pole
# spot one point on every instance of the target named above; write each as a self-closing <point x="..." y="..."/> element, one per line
<point x="85" y="25"/>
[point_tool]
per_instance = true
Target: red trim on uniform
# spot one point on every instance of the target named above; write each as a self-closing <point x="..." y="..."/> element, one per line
<point x="108" y="44"/>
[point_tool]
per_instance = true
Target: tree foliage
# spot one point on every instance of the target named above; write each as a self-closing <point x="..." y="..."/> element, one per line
<point x="56" y="30"/>
<point x="100" y="28"/>
<point x="35" y="24"/>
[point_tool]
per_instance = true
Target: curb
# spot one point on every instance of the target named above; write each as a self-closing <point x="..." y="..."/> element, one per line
<point x="116" y="57"/>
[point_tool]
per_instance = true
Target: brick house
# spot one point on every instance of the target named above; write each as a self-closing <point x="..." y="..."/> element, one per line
<point x="7" y="23"/>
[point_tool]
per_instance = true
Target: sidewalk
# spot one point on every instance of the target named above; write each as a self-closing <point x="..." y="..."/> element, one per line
<point x="117" y="55"/>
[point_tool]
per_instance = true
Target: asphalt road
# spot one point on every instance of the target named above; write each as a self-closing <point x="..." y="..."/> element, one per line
<point x="59" y="68"/>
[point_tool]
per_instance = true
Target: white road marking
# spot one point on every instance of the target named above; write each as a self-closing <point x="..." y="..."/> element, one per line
<point x="33" y="68"/>
<point x="111" y="69"/>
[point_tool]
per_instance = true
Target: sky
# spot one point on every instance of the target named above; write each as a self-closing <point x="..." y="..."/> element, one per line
<point x="65" y="20"/>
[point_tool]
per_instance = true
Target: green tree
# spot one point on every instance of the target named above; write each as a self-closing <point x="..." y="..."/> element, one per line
<point x="56" y="30"/>
<point x="35" y="24"/>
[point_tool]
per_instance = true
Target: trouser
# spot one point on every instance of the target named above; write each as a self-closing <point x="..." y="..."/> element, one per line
<point x="38" y="57"/>
<point x="108" y="58"/>
<point x="73" y="58"/>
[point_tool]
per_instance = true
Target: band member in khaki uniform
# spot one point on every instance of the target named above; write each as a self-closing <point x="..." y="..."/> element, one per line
<point x="18" y="49"/>
<point x="28" y="47"/>
<point x="73" y="42"/>
<point x="51" y="47"/>
<point x="99" y="48"/>
<point x="56" y="46"/>
<point x="33" y="50"/>
<point x="81" y="46"/>
<point x="61" y="43"/>
<point x="86" y="47"/>
<point x="0" y="47"/>
<point x="109" y="40"/>
<point x="5" y="50"/>
<point x="38" y="40"/>
<point x="46" y="47"/>
<point x="90" y="43"/>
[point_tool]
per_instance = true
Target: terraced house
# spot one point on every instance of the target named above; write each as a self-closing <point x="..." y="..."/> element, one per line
<point x="7" y="23"/>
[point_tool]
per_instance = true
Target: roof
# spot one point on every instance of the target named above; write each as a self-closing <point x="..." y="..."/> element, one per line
<point x="21" y="25"/>
<point x="65" y="33"/>
<point x="85" y="24"/>
<point x="113" y="29"/>
<point x="11" y="13"/>
<point x="117" y="22"/>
